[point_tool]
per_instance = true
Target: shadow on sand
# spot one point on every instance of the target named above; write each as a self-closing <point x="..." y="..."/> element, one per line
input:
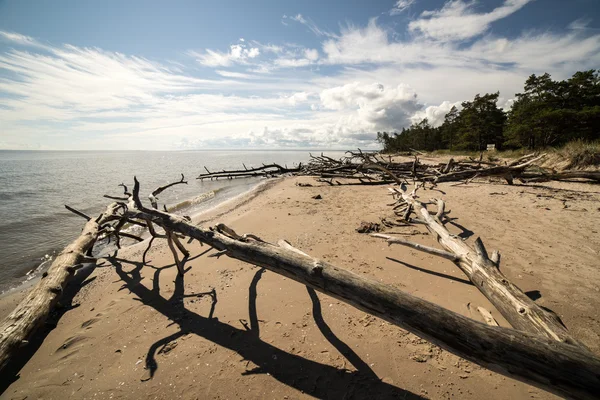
<point x="311" y="377"/>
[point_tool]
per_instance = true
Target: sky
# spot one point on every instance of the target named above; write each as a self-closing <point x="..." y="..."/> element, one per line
<point x="267" y="74"/>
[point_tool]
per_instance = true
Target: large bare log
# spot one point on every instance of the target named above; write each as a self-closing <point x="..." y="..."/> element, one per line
<point x="562" y="368"/>
<point x="501" y="170"/>
<point x="560" y="176"/>
<point x="19" y="326"/>
<point x="518" y="309"/>
<point x="246" y="172"/>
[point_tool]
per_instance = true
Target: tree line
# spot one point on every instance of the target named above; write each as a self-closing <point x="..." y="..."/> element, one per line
<point x="547" y="113"/>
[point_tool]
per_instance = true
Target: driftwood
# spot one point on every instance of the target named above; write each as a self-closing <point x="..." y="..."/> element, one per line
<point x="484" y="272"/>
<point x="370" y="168"/>
<point x="562" y="368"/>
<point x="544" y="176"/>
<point x="159" y="190"/>
<point x="265" y="170"/>
<point x="508" y="172"/>
<point x="32" y="312"/>
<point x="547" y="358"/>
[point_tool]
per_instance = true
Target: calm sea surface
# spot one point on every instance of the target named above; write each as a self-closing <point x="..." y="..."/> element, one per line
<point x="35" y="186"/>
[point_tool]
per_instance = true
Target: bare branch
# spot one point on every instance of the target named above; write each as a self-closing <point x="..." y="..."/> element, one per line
<point x="426" y="249"/>
<point x="160" y="189"/>
<point x="77" y="212"/>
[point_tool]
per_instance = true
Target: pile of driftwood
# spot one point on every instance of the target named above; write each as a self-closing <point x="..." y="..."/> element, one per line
<point x="539" y="350"/>
<point x="372" y="169"/>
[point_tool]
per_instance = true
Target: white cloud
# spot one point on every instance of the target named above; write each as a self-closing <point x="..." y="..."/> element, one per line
<point x="311" y="54"/>
<point x="19" y="39"/>
<point x="400" y="6"/>
<point x="457" y="20"/>
<point x="580" y="24"/>
<point x="237" y="54"/>
<point x="308" y="23"/>
<point x="236" y="75"/>
<point x="292" y="62"/>
<point x="373" y="106"/>
<point x="270" y="48"/>
<point x="296" y="56"/>
<point x="99" y="99"/>
<point x="298" y="98"/>
<point x="529" y="52"/>
<point x="435" y="114"/>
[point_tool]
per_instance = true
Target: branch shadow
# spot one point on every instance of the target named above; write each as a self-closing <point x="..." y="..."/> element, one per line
<point x="427" y="271"/>
<point x="311" y="377"/>
<point x="534" y="294"/>
<point x="465" y="234"/>
<point x="342" y="347"/>
<point x="554" y="189"/>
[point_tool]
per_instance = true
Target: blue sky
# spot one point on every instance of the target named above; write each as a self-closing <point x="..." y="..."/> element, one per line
<point x="268" y="74"/>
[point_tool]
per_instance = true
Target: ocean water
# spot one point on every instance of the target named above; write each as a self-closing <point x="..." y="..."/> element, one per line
<point x="35" y="186"/>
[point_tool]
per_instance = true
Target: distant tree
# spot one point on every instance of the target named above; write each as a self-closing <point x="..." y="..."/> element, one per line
<point x="550" y="113"/>
<point x="450" y="127"/>
<point x="481" y="122"/>
<point x="547" y="113"/>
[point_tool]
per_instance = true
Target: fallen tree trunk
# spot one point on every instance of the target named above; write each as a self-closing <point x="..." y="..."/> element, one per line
<point x="270" y="169"/>
<point x="19" y="326"/>
<point x="507" y="171"/>
<point x="518" y="309"/>
<point x="560" y="176"/>
<point x="562" y="368"/>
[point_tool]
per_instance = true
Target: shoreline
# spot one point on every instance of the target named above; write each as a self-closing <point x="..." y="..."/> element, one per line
<point x="11" y="297"/>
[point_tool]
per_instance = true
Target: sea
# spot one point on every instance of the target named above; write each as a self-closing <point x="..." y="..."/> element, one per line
<point x="35" y="186"/>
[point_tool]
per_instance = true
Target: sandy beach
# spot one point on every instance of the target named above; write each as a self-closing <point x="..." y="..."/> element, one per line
<point x="269" y="337"/>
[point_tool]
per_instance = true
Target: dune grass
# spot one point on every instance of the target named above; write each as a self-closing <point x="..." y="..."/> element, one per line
<point x="581" y="154"/>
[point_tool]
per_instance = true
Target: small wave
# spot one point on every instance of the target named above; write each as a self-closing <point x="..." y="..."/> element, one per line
<point x="195" y="200"/>
<point x="30" y="276"/>
<point x="136" y="229"/>
<point x="103" y="245"/>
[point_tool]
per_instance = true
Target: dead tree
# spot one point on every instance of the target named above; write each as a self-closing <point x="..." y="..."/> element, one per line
<point x="560" y="367"/>
<point x="368" y="168"/>
<point x="20" y="325"/>
<point x="508" y="172"/>
<point x="483" y="271"/>
<point x="265" y="170"/>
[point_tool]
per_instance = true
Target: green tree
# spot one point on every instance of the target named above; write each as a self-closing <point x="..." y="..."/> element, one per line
<point x="481" y="122"/>
<point x="550" y="113"/>
<point x="450" y="127"/>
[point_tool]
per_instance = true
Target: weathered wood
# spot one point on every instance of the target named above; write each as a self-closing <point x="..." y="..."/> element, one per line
<point x="560" y="176"/>
<point x="562" y="368"/>
<point x="518" y="309"/>
<point x="501" y="170"/>
<point x="487" y="316"/>
<point x="448" y="166"/>
<point x="160" y="189"/>
<point x="426" y="249"/>
<point x="18" y="327"/>
<point x="246" y="172"/>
